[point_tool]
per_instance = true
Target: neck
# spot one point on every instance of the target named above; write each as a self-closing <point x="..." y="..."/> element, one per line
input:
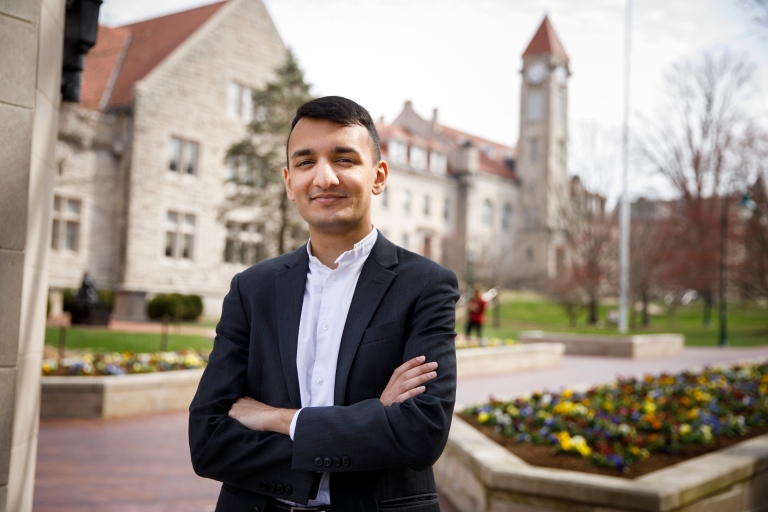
<point x="327" y="247"/>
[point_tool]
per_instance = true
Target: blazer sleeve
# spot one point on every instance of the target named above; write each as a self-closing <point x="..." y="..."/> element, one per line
<point x="369" y="436"/>
<point x="223" y="449"/>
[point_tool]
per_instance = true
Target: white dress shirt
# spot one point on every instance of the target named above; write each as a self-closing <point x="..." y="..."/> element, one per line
<point x="327" y="296"/>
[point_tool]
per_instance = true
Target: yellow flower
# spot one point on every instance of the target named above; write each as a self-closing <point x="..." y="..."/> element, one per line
<point x="685" y="429"/>
<point x="483" y="417"/>
<point x="693" y="413"/>
<point x="649" y="407"/>
<point x="513" y="411"/>
<point x="563" y="407"/>
<point x="608" y="406"/>
<point x="567" y="393"/>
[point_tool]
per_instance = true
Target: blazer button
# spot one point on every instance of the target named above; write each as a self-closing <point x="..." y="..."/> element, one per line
<point x="271" y="487"/>
<point x="336" y="461"/>
<point x="280" y="489"/>
<point x="288" y="490"/>
<point x="345" y="461"/>
<point x="327" y="462"/>
<point x="318" y="461"/>
<point x="263" y="486"/>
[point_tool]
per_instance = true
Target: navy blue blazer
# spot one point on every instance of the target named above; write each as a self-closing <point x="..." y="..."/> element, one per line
<point x="380" y="457"/>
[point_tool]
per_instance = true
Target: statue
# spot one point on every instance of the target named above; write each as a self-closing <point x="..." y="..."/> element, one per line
<point x="88" y="309"/>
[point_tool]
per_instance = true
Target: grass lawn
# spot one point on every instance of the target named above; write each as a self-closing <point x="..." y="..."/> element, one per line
<point x="746" y="327"/>
<point x="102" y="340"/>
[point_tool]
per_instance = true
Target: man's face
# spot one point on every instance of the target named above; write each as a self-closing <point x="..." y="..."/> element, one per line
<point x="332" y="175"/>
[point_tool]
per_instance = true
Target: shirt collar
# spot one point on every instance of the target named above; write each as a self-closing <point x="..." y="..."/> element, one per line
<point x="360" y="250"/>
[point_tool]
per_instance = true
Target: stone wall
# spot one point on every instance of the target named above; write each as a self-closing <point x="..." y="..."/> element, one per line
<point x="31" y="34"/>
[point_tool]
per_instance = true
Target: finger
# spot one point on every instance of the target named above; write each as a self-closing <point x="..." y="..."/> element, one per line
<point x="419" y="370"/>
<point x="411" y="363"/>
<point x="418" y="381"/>
<point x="411" y="393"/>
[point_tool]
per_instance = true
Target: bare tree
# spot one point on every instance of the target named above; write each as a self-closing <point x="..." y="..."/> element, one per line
<point x="758" y="9"/>
<point x="701" y="143"/>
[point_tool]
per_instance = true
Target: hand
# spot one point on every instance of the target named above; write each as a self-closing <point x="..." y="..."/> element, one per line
<point x="258" y="416"/>
<point x="407" y="380"/>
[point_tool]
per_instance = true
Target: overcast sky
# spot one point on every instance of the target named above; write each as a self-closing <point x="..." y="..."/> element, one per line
<point x="463" y="56"/>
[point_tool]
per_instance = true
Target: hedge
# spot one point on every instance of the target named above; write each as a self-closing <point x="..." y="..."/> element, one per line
<point x="176" y="306"/>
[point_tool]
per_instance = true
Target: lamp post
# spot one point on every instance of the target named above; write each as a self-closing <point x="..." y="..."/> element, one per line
<point x="81" y="27"/>
<point x="746" y="207"/>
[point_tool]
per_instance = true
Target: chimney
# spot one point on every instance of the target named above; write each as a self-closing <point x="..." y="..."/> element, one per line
<point x="435" y="124"/>
<point x="469" y="158"/>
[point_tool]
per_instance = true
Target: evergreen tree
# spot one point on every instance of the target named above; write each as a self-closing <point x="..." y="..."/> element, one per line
<point x="255" y="178"/>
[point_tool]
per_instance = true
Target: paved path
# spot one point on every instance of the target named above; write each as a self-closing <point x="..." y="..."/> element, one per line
<point x="141" y="464"/>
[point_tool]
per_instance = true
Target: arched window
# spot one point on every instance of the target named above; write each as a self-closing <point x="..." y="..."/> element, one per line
<point x="486" y="215"/>
<point x="506" y="219"/>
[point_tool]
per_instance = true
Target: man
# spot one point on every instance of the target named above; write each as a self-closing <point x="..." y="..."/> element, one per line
<point x="332" y="379"/>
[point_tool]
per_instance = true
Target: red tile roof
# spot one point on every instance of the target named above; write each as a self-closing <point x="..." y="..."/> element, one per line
<point x="100" y="65"/>
<point x="151" y="42"/>
<point x="545" y="41"/>
<point x="496" y="163"/>
<point x="148" y="44"/>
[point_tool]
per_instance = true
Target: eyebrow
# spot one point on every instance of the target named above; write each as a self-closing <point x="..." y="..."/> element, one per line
<point x="338" y="150"/>
<point x="302" y="152"/>
<point x="342" y="149"/>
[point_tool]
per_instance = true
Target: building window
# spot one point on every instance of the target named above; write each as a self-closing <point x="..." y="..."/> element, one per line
<point x="405" y="241"/>
<point x="180" y="235"/>
<point x="245" y="243"/>
<point x="529" y="254"/>
<point x="535" y="110"/>
<point x="385" y="198"/>
<point x="418" y="158"/>
<point x="406" y="198"/>
<point x="438" y="163"/>
<point x="446" y="209"/>
<point x="427" y="248"/>
<point x="184" y="155"/>
<point x="398" y="152"/>
<point x="242" y="170"/>
<point x="534" y="150"/>
<point x="65" y="231"/>
<point x="561" y="110"/>
<point x="426" y="206"/>
<point x="506" y="219"/>
<point x="563" y="153"/>
<point x="486" y="214"/>
<point x="240" y="102"/>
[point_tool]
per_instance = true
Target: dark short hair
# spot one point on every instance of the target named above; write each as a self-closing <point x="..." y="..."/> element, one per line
<point x="341" y="111"/>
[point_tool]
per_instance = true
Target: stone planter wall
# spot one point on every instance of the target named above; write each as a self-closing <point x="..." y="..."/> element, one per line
<point x="474" y="362"/>
<point x="478" y="475"/>
<point x="635" y="346"/>
<point x="108" y="396"/>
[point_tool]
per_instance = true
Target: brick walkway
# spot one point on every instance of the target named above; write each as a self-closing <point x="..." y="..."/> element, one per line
<point x="141" y="464"/>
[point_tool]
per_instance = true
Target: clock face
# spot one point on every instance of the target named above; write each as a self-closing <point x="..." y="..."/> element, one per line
<point x="561" y="74"/>
<point x="536" y="73"/>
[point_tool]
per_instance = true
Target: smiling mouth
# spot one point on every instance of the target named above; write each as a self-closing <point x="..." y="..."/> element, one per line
<point x="327" y="198"/>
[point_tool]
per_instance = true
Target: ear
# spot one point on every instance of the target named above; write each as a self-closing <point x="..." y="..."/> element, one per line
<point x="382" y="172"/>
<point x="288" y="185"/>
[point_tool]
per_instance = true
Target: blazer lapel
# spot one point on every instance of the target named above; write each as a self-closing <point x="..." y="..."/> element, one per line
<point x="373" y="283"/>
<point x="290" y="298"/>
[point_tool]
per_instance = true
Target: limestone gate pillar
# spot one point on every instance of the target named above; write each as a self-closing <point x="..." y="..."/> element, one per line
<point x="31" y="36"/>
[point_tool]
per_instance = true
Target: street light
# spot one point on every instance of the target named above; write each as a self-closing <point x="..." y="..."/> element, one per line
<point x="746" y="207"/>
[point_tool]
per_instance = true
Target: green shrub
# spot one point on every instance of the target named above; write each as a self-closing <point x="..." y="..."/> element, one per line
<point x="176" y="306"/>
<point x="107" y="297"/>
<point x="69" y="295"/>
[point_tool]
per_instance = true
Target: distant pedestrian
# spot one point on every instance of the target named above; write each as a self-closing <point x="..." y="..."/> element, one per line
<point x="476" y="312"/>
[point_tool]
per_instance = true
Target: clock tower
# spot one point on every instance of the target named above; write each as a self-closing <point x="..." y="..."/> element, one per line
<point x="542" y="156"/>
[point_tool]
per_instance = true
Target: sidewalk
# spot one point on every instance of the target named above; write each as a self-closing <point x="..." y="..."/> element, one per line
<point x="141" y="327"/>
<point x="141" y="464"/>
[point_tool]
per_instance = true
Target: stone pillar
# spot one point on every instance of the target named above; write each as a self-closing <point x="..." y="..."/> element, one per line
<point x="31" y="36"/>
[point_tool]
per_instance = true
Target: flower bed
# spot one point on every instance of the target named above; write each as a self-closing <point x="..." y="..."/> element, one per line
<point x="620" y="424"/>
<point x="122" y="363"/>
<point x="463" y="341"/>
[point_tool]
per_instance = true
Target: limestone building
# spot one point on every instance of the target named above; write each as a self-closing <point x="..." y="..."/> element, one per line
<point x="142" y="172"/>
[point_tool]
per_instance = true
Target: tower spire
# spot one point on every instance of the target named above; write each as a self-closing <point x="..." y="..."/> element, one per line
<point x="546" y="41"/>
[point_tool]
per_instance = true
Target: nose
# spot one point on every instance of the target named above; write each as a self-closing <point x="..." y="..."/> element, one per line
<point x="325" y="176"/>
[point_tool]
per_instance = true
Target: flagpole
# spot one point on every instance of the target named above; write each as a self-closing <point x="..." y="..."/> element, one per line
<point x="625" y="208"/>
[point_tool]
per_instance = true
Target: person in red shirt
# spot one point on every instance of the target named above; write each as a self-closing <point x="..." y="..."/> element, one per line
<point x="476" y="312"/>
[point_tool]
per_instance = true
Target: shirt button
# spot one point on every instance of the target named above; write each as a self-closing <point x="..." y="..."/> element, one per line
<point x="320" y="380"/>
<point x="333" y="277"/>
<point x="325" y="327"/>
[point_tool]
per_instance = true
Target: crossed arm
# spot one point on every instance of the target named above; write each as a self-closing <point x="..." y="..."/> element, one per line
<point x="407" y="381"/>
